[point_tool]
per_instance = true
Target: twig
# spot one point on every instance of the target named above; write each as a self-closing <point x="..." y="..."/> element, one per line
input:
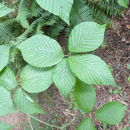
<point x="122" y="65"/>
<point x="30" y="123"/>
<point x="45" y="122"/>
<point x="104" y="126"/>
<point x="68" y="123"/>
<point x="53" y="126"/>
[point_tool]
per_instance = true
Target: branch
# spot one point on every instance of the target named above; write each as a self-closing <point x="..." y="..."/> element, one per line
<point x="53" y="126"/>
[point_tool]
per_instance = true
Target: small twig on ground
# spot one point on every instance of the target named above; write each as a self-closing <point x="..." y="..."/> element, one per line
<point x="104" y="126"/>
<point x="53" y="126"/>
<point x="30" y="123"/>
<point x="44" y="122"/>
<point x="122" y="65"/>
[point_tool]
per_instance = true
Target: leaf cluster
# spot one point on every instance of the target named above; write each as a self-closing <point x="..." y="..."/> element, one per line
<point x="31" y="58"/>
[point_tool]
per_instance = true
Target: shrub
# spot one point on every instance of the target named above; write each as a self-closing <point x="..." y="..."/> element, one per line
<point x="32" y="59"/>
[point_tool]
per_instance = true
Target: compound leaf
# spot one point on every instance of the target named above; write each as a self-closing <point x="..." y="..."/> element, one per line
<point x="7" y="79"/>
<point x="63" y="78"/>
<point x="4" y="55"/>
<point x="41" y="51"/>
<point x="36" y="80"/>
<point x="6" y="104"/>
<point x="91" y="69"/>
<point x="60" y="8"/>
<point x="85" y="96"/>
<point x="111" y="113"/>
<point x="86" y="37"/>
<point x="26" y="103"/>
<point x="86" y="124"/>
<point x="4" y="10"/>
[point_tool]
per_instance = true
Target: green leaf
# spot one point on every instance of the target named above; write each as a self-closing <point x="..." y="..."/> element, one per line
<point x="60" y="8"/>
<point x="7" y="79"/>
<point x="91" y="69"/>
<point x="85" y="96"/>
<point x="26" y="103"/>
<point x="86" y="37"/>
<point x="4" y="10"/>
<point x="63" y="78"/>
<point x="80" y="12"/>
<point x="111" y="113"/>
<point x="129" y="79"/>
<point x="41" y="51"/>
<point x="36" y="80"/>
<point x="86" y="124"/>
<point x="123" y="3"/>
<point x="4" y="126"/>
<point x="6" y="104"/>
<point x="128" y="66"/>
<point x="24" y="13"/>
<point x="4" y="55"/>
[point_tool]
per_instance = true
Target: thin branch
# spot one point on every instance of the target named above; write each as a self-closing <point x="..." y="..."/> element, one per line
<point x="68" y="123"/>
<point x="45" y="122"/>
<point x="104" y="126"/>
<point x="53" y="126"/>
<point x="30" y="123"/>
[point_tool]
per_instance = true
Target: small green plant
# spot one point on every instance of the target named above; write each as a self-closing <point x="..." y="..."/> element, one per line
<point x="110" y="113"/>
<point x="103" y="10"/>
<point x="32" y="62"/>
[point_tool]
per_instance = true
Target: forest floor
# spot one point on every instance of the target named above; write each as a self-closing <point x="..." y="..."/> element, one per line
<point x="117" y="54"/>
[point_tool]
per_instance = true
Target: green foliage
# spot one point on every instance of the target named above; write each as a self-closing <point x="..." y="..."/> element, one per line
<point x="27" y="9"/>
<point x="23" y="13"/>
<point x="103" y="10"/>
<point x="6" y="104"/>
<point x="86" y="124"/>
<point x="4" y="10"/>
<point x="57" y="7"/>
<point x="63" y="78"/>
<point x="83" y="66"/>
<point x="80" y="13"/>
<point x="31" y="59"/>
<point x="41" y="51"/>
<point x="128" y="66"/>
<point x="100" y="11"/>
<point x="55" y="32"/>
<point x="86" y="37"/>
<point x="26" y="103"/>
<point x="123" y="3"/>
<point x="7" y="79"/>
<point x="111" y="113"/>
<point x="5" y="32"/>
<point x="4" y="126"/>
<point x="4" y="55"/>
<point x="35" y="80"/>
<point x="85" y="96"/>
<point x="128" y="79"/>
